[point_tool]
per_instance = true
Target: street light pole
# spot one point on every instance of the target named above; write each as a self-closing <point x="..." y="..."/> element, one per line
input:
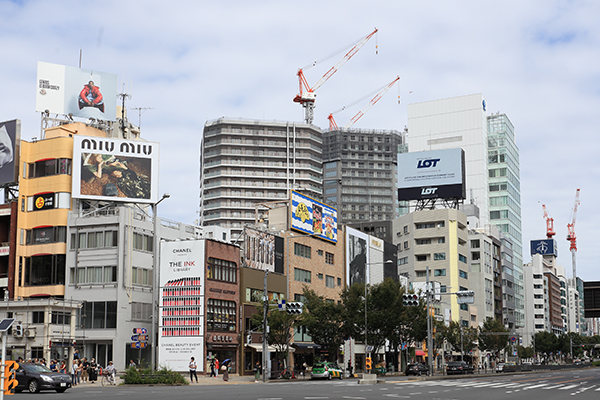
<point x="155" y="277"/>
<point x="430" y="351"/>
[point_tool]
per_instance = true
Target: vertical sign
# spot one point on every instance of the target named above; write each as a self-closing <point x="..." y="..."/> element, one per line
<point x="181" y="304"/>
<point x="357" y="254"/>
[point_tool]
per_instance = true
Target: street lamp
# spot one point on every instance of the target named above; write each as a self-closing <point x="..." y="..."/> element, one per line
<point x="155" y="280"/>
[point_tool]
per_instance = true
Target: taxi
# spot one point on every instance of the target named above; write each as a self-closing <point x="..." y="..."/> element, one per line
<point x="326" y="370"/>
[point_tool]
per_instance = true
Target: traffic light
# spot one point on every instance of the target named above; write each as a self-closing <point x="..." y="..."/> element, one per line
<point x="249" y="338"/>
<point x="368" y="363"/>
<point x="410" y="300"/>
<point x="10" y="382"/>
<point x="294" y="307"/>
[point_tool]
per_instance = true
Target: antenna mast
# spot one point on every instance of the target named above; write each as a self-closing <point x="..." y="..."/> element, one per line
<point x="140" y="111"/>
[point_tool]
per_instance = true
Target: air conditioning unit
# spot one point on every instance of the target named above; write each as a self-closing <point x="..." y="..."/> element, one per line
<point x="30" y="333"/>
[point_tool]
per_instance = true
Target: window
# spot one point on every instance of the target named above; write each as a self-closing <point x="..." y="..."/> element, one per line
<point x="439" y="272"/>
<point x="47" y="234"/>
<point x="439" y="256"/>
<point x="143" y="242"/>
<point x="222" y="270"/>
<point x="538" y="286"/>
<point x="91" y="240"/>
<point x="99" y="315"/>
<point x="37" y="352"/>
<point x="441" y="240"/>
<point x="48" y="269"/>
<point x="405" y="229"/>
<point x="220" y="315"/>
<point x="55" y="166"/>
<point x="141" y="276"/>
<point x="406" y="245"/>
<point x="462" y="258"/>
<point x="339" y="281"/>
<point x="141" y="311"/>
<point x="421" y="258"/>
<point x="320" y="276"/>
<point x="422" y="241"/>
<point x="329" y="281"/>
<point x="403" y="260"/>
<point x="475" y="255"/>
<point x="538" y="296"/>
<point x="104" y="274"/>
<point x="475" y="244"/>
<point x="464" y="307"/>
<point x="301" y="250"/>
<point x="301" y="275"/>
<point x="443" y="289"/>
<point x="463" y="274"/>
<point x="329" y="258"/>
<point x="421" y="274"/>
<point x="37" y="317"/>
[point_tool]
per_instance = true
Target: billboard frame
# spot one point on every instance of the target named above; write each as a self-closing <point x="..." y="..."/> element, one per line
<point x="305" y="209"/>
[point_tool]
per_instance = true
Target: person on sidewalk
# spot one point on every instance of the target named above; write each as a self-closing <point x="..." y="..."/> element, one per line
<point x="212" y="368"/>
<point x="225" y="369"/>
<point x="257" y="371"/>
<point x="217" y="365"/>
<point x="192" y="366"/>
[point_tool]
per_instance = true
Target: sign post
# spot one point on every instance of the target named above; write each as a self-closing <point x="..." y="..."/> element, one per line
<point x="5" y="325"/>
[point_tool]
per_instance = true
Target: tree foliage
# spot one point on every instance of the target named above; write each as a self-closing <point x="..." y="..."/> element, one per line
<point x="493" y="336"/>
<point x="460" y="337"/>
<point x="281" y="326"/>
<point x="324" y="322"/>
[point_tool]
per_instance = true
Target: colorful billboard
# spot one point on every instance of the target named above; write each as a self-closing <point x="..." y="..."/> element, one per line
<point x="436" y="174"/>
<point x="313" y="217"/>
<point x="10" y="144"/>
<point x="357" y="254"/>
<point x="263" y="250"/>
<point x="115" y="170"/>
<point x="181" y="304"/>
<point x="81" y="92"/>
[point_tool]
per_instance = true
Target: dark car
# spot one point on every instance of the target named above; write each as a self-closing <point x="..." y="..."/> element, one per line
<point x="36" y="377"/>
<point x="458" y="367"/>
<point x="417" y="369"/>
<point x="510" y="367"/>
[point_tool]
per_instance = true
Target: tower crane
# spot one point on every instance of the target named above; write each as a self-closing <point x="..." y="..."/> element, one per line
<point x="571" y="234"/>
<point x="380" y="92"/>
<point x="549" y="223"/>
<point x="307" y="95"/>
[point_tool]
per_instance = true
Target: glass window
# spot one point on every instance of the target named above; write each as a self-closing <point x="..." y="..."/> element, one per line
<point x="329" y="258"/>
<point x="439" y="272"/>
<point x="221" y="315"/>
<point x="439" y="256"/>
<point x="302" y="275"/>
<point x="329" y="281"/>
<point x="302" y="250"/>
<point x="463" y="274"/>
<point x="222" y="270"/>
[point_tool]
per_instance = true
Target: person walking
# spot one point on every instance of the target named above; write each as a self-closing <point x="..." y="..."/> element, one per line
<point x="192" y="366"/>
<point x="217" y="365"/>
<point x="85" y="370"/>
<point x="212" y="368"/>
<point x="74" y="373"/>
<point x="225" y="369"/>
<point x="79" y="371"/>
<point x="257" y="371"/>
<point x="93" y="370"/>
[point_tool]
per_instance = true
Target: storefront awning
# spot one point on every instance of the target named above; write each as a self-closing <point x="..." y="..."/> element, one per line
<point x="259" y="347"/>
<point x="419" y="353"/>
<point x="306" y="345"/>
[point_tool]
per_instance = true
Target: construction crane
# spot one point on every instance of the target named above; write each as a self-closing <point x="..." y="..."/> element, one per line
<point x="571" y="234"/>
<point x="380" y="92"/>
<point x="549" y="223"/>
<point x="307" y="95"/>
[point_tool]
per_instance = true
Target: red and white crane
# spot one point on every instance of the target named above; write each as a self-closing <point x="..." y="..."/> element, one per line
<point x="571" y="237"/>
<point x="380" y="92"/>
<point x="549" y="223"/>
<point x="307" y="95"/>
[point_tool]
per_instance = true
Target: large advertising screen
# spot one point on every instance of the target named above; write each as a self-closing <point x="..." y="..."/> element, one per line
<point x="357" y="254"/>
<point x="436" y="174"/>
<point x="10" y="144"/>
<point x="263" y="250"/>
<point x="313" y="217"/>
<point x="81" y="92"/>
<point x="114" y="169"/>
<point x="181" y="304"/>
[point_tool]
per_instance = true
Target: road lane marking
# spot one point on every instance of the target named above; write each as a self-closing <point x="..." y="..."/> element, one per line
<point x="568" y="387"/>
<point x="535" y="386"/>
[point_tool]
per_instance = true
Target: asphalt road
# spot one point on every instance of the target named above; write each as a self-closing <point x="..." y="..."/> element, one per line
<point x="581" y="384"/>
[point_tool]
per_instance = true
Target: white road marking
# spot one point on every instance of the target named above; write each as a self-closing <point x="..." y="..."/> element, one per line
<point x="568" y="387"/>
<point x="535" y="386"/>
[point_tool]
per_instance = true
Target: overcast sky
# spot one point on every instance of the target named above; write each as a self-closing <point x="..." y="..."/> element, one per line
<point x="193" y="61"/>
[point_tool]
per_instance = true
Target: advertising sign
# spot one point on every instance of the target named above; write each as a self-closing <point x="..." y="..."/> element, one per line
<point x="437" y="174"/>
<point x="313" y="217"/>
<point x="81" y="92"/>
<point x="357" y="254"/>
<point x="260" y="250"/>
<point x="10" y="144"/>
<point x="181" y="300"/>
<point x="43" y="201"/>
<point x="114" y="169"/>
<point x="544" y="247"/>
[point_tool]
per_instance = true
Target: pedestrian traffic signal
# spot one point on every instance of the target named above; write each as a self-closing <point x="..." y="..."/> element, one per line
<point x="410" y="300"/>
<point x="368" y="363"/>
<point x="294" y="307"/>
<point x="9" y="377"/>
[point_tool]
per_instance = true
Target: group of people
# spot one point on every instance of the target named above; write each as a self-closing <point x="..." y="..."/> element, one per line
<point x="214" y="365"/>
<point x="81" y="370"/>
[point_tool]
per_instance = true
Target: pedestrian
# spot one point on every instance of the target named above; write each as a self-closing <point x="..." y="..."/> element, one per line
<point x="225" y="369"/>
<point x="132" y="364"/>
<point x="212" y="368"/>
<point x="74" y="373"/>
<point x="53" y="366"/>
<point x="63" y="368"/>
<point x="93" y="373"/>
<point x="192" y="366"/>
<point x="85" y="370"/>
<point x="257" y="371"/>
<point x="349" y="368"/>
<point x="216" y="367"/>
<point x="79" y="371"/>
<point x="76" y="354"/>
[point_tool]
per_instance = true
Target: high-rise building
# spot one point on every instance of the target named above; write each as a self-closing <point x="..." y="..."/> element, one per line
<point x="492" y="165"/>
<point x="247" y="165"/>
<point x="360" y="174"/>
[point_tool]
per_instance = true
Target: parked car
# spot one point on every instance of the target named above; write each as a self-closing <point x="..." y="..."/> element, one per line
<point x="417" y="369"/>
<point x="510" y="367"/>
<point x="458" y="367"/>
<point x="326" y="370"/>
<point x="526" y="366"/>
<point x="36" y="377"/>
<point x="499" y="367"/>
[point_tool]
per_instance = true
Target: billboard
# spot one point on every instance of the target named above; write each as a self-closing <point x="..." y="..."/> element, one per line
<point x="81" y="92"/>
<point x="436" y="174"/>
<point x="313" y="217"/>
<point x="10" y="144"/>
<point x="115" y="170"/>
<point x="181" y="304"/>
<point x="263" y="250"/>
<point x="544" y="247"/>
<point x="357" y="254"/>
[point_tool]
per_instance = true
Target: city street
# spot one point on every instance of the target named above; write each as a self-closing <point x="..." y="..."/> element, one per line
<point x="579" y="384"/>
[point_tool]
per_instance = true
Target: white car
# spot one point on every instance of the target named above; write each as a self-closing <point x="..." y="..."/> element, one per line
<point x="499" y="367"/>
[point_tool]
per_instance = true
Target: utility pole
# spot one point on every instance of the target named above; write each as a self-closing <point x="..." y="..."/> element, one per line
<point x="430" y="350"/>
<point x="265" y="328"/>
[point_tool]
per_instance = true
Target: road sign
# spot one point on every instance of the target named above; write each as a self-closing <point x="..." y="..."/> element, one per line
<point x="142" y="338"/>
<point x="139" y="345"/>
<point x="134" y="338"/>
<point x="139" y="331"/>
<point x="403" y="346"/>
<point x="513" y="339"/>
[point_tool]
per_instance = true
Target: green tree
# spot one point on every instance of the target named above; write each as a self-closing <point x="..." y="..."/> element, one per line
<point x="545" y="342"/>
<point x="493" y="336"/>
<point x="281" y="326"/>
<point x="323" y="320"/>
<point x="458" y="336"/>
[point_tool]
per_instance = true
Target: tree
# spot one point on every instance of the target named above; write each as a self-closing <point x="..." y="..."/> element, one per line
<point x="460" y="337"/>
<point x="281" y="326"/>
<point x="323" y="320"/>
<point x="493" y="336"/>
<point x="545" y="342"/>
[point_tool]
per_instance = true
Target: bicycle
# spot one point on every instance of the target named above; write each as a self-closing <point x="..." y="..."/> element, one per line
<point x="108" y="378"/>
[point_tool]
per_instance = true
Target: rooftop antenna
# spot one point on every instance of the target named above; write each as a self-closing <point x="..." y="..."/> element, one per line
<point x="140" y="111"/>
<point x="123" y="96"/>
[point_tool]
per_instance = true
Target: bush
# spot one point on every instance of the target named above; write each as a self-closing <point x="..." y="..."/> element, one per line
<point x="596" y="363"/>
<point x="146" y="376"/>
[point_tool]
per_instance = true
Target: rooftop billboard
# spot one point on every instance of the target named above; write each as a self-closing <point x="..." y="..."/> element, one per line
<point x="544" y="247"/>
<point x="263" y="250"/>
<point x="313" y="217"/>
<point x="115" y="170"/>
<point x="436" y="174"/>
<point x="10" y="143"/>
<point x="81" y="92"/>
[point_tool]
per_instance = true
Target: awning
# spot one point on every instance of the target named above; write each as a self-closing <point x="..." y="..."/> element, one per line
<point x="419" y="353"/>
<point x="259" y="347"/>
<point x="306" y="345"/>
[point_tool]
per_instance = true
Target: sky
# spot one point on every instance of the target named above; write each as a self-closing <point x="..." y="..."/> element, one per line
<point x="189" y="62"/>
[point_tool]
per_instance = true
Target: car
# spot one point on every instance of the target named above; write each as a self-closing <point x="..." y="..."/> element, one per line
<point x="510" y="367"/>
<point x="526" y="366"/>
<point x="35" y="377"/>
<point x="326" y="370"/>
<point x="499" y="367"/>
<point x="458" y="367"/>
<point x="416" y="369"/>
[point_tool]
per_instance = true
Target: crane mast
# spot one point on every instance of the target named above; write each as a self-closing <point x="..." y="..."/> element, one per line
<point x="307" y="96"/>
<point x="549" y="223"/>
<point x="571" y="237"/>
